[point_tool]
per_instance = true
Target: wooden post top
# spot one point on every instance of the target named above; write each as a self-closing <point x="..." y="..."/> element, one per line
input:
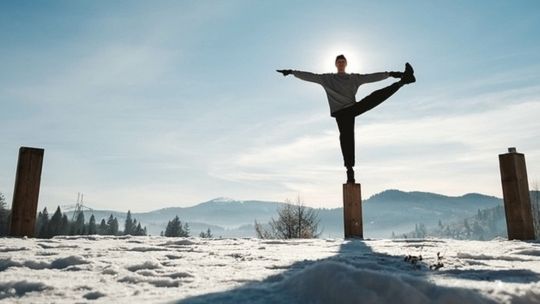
<point x="32" y="149"/>
<point x="511" y="151"/>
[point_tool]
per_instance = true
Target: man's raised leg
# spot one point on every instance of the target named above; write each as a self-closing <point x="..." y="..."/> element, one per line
<point x="376" y="98"/>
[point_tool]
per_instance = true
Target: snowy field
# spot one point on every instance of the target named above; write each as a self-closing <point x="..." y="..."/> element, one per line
<point x="105" y="269"/>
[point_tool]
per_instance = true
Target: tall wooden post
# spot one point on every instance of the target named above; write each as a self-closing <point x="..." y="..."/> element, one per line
<point x="352" y="211"/>
<point x="517" y="202"/>
<point x="26" y="192"/>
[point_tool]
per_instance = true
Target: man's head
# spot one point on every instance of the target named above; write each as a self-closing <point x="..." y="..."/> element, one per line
<point x="341" y="63"/>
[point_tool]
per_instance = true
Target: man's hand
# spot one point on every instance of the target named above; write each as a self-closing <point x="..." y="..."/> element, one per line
<point x="285" y="72"/>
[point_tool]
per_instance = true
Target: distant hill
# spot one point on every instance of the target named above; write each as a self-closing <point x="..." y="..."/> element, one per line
<point x="223" y="217"/>
<point x="484" y="225"/>
<point x="398" y="211"/>
<point x="386" y="212"/>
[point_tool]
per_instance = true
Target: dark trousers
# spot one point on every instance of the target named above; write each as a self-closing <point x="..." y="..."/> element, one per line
<point x="345" y="119"/>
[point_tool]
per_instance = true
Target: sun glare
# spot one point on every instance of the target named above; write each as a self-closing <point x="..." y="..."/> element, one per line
<point x="327" y="58"/>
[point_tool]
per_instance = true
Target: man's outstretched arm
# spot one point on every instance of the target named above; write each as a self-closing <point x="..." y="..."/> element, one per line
<point x="373" y="77"/>
<point x="307" y="76"/>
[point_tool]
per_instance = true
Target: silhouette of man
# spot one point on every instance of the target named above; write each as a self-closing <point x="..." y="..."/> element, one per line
<point x="341" y="88"/>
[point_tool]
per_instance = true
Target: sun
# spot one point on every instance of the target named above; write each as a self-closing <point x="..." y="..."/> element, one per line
<point x="327" y="57"/>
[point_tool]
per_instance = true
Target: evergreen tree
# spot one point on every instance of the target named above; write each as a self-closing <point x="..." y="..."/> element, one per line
<point x="447" y="232"/>
<point x="103" y="228"/>
<point x="2" y="201"/>
<point x="171" y="228"/>
<point x="477" y="230"/>
<point x="78" y="226"/>
<point x="92" y="229"/>
<point x="135" y="227"/>
<point x="43" y="224"/>
<point x="168" y="229"/>
<point x="110" y="223"/>
<point x="207" y="234"/>
<point x="114" y="227"/>
<point x="467" y="228"/>
<point x="420" y="230"/>
<point x="4" y="216"/>
<point x="55" y="224"/>
<point x="139" y="230"/>
<point x="185" y="231"/>
<point x="129" y="225"/>
<point x="64" y="227"/>
<point x="39" y="224"/>
<point x="176" y="229"/>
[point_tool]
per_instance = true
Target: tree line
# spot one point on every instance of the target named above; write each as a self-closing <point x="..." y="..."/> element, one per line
<point x="175" y="228"/>
<point x="485" y="225"/>
<point x="4" y="216"/>
<point x="294" y="220"/>
<point x="60" y="224"/>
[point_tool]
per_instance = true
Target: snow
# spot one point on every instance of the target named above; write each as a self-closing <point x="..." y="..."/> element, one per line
<point x="223" y="199"/>
<point x="137" y="269"/>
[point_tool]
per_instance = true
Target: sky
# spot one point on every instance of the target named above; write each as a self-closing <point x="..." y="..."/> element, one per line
<point x="148" y="104"/>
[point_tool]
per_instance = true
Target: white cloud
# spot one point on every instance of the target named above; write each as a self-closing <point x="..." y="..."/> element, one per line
<point x="452" y="155"/>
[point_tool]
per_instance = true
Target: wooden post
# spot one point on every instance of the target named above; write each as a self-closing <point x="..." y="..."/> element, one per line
<point x="26" y="192"/>
<point x="352" y="211"/>
<point x="517" y="202"/>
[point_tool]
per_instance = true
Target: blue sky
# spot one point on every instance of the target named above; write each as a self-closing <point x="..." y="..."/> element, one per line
<point x="142" y="105"/>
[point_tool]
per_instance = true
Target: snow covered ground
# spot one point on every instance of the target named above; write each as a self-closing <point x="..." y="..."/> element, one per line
<point x="156" y="269"/>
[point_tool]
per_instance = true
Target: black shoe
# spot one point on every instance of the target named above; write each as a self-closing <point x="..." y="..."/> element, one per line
<point x="350" y="175"/>
<point x="408" y="75"/>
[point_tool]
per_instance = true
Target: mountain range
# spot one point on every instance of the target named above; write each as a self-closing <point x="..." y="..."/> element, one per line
<point x="383" y="213"/>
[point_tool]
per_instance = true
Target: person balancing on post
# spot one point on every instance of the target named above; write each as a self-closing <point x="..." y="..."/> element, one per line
<point x="341" y="88"/>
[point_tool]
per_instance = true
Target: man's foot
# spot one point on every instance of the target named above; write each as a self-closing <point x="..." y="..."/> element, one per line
<point x="408" y="75"/>
<point x="350" y="175"/>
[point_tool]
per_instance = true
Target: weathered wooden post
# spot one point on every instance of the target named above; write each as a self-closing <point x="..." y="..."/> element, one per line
<point x="352" y="211"/>
<point x="26" y="192"/>
<point x="517" y="202"/>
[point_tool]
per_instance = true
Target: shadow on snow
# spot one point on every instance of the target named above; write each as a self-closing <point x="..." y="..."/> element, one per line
<point x="357" y="274"/>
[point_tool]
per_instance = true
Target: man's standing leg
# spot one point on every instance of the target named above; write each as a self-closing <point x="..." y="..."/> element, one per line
<point x="345" y="124"/>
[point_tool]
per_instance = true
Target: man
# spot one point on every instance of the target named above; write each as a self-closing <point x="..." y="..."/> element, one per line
<point x="341" y="88"/>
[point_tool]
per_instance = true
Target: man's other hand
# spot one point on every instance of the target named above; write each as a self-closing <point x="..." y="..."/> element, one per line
<point x="285" y="72"/>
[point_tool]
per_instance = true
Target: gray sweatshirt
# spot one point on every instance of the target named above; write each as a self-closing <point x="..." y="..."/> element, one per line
<point x="340" y="88"/>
